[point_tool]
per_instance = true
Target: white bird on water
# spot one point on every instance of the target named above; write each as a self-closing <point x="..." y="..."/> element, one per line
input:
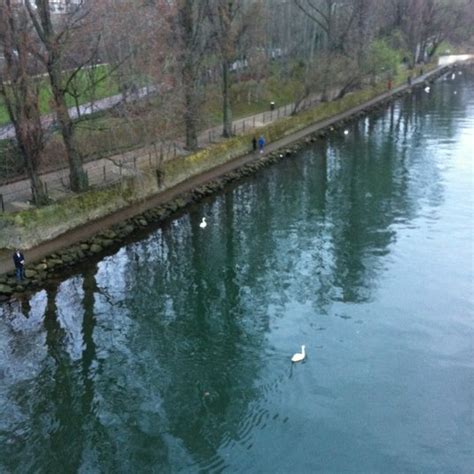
<point x="427" y="89"/>
<point x="346" y="132"/>
<point x="299" y="356"/>
<point x="203" y="223"/>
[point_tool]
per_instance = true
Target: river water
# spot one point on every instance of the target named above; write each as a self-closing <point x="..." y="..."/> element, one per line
<point x="173" y="354"/>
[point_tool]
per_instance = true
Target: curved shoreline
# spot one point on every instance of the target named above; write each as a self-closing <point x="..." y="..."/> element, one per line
<point x="48" y="259"/>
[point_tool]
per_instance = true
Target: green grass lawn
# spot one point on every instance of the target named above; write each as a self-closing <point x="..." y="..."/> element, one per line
<point x="246" y="99"/>
<point x="105" y="86"/>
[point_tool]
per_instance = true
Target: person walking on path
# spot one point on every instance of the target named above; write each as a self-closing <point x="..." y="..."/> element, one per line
<point x="261" y="143"/>
<point x="254" y="143"/>
<point x="19" y="261"/>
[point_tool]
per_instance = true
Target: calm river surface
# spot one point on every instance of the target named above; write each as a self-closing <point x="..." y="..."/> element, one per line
<point x="173" y="354"/>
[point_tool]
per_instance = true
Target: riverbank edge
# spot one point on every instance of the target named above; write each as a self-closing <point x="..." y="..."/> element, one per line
<point x="206" y="175"/>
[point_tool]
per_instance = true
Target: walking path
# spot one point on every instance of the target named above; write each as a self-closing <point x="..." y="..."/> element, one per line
<point x="16" y="195"/>
<point x="87" y="231"/>
<point x="8" y="131"/>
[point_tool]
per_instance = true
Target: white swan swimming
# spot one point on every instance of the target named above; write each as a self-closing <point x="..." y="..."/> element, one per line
<point x="299" y="356"/>
<point x="203" y="223"/>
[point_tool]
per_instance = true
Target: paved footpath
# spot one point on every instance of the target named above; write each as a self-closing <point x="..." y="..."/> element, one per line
<point x="87" y="231"/>
<point x="8" y="131"/>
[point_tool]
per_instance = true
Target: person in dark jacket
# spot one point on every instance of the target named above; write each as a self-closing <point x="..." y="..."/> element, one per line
<point x="19" y="261"/>
<point x="254" y="143"/>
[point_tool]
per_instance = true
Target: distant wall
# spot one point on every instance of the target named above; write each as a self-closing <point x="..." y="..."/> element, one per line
<point x="454" y="58"/>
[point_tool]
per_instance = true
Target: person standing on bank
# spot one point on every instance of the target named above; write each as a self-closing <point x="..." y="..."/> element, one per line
<point x="261" y="143"/>
<point x="19" y="262"/>
<point x="254" y="143"/>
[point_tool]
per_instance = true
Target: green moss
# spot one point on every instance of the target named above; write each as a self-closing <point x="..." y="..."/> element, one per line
<point x="68" y="209"/>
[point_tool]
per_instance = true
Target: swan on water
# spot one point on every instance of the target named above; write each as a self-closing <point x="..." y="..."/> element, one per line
<point x="203" y="223"/>
<point x="427" y="89"/>
<point x="299" y="356"/>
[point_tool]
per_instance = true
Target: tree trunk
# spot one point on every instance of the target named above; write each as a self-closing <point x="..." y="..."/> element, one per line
<point x="227" y="111"/>
<point x="326" y="78"/>
<point x="30" y="149"/>
<point x="77" y="176"/>
<point x="189" y="19"/>
<point x="190" y="122"/>
<point x="190" y="113"/>
<point x="21" y="98"/>
<point x="38" y="190"/>
<point x="54" y="49"/>
<point x="29" y="136"/>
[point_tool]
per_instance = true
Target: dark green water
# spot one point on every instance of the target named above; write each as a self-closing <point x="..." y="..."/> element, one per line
<point x="173" y="355"/>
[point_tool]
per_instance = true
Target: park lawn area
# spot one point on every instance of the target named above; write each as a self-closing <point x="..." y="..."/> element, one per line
<point x="4" y="118"/>
<point x="105" y="86"/>
<point x="108" y="133"/>
<point x="246" y="101"/>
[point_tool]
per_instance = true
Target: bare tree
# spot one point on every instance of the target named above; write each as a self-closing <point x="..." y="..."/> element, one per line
<point x="54" y="38"/>
<point x="20" y="91"/>
<point x="335" y="19"/>
<point x="189" y="30"/>
<point x="232" y="21"/>
<point x="349" y="28"/>
<point x="444" y="20"/>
